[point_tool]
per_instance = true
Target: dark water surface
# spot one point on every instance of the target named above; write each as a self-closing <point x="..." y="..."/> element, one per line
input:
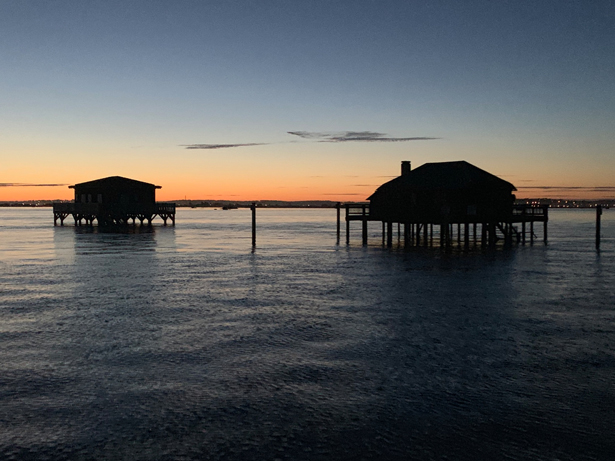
<point x="182" y="343"/>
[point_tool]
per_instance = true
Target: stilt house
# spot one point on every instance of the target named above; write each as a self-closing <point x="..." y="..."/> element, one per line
<point x="114" y="200"/>
<point x="446" y="192"/>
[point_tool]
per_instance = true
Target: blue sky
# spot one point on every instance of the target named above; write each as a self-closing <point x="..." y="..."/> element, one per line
<point x="89" y="89"/>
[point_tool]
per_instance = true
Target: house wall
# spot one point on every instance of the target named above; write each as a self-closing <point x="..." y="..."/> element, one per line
<point x="115" y="195"/>
<point x="435" y="206"/>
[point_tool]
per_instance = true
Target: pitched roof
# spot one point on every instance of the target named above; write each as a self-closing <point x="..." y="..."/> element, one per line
<point x="114" y="182"/>
<point x="445" y="175"/>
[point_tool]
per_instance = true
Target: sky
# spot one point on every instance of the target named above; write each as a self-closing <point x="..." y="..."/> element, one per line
<point x="304" y="100"/>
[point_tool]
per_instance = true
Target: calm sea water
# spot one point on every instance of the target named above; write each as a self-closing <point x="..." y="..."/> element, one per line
<point x="183" y="343"/>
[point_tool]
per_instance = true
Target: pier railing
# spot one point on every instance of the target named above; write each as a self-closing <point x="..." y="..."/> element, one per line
<point x="530" y="213"/>
<point x="68" y="207"/>
<point x="357" y="211"/>
<point x="165" y="207"/>
<point x="94" y="208"/>
<point x="72" y="207"/>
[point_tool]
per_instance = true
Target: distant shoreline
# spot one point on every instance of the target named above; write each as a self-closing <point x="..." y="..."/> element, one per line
<point x="314" y="204"/>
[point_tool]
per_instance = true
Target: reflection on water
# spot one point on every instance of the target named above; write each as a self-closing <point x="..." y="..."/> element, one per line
<point x="179" y="343"/>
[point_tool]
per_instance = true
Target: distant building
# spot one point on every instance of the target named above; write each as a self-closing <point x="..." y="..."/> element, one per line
<point x="112" y="201"/>
<point x="453" y="192"/>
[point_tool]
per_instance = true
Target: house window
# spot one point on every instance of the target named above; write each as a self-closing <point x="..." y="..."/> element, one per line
<point x="99" y="198"/>
<point x="82" y="198"/>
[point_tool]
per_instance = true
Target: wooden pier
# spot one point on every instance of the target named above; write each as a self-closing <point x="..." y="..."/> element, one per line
<point x="518" y="228"/>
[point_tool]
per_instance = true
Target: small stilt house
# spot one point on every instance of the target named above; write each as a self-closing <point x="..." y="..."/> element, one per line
<point x="114" y="200"/>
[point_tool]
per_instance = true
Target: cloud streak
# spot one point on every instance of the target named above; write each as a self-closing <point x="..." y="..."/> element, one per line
<point x="318" y="136"/>
<point x="354" y="136"/>
<point x="21" y="184"/>
<point x="340" y="193"/>
<point x="581" y="188"/>
<point x="223" y="146"/>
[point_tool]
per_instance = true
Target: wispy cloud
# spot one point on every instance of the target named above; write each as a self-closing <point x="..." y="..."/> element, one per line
<point x="318" y="136"/>
<point x="222" y="146"/>
<point x="339" y="193"/>
<point x="335" y="176"/>
<point x="308" y="134"/>
<point x="349" y="136"/>
<point x="579" y="188"/>
<point x="21" y="184"/>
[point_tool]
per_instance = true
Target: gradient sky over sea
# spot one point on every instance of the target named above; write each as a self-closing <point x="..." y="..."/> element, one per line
<point x="522" y="89"/>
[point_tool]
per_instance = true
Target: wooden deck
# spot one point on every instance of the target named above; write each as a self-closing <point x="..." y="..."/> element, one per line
<point x="86" y="213"/>
<point x="519" y="227"/>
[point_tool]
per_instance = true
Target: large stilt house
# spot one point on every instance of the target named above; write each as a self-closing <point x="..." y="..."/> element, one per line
<point x="446" y="191"/>
<point x="445" y="194"/>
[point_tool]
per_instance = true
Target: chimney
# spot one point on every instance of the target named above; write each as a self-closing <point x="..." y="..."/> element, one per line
<point x="405" y="167"/>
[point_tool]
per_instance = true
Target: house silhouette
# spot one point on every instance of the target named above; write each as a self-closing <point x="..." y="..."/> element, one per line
<point x="456" y="192"/>
<point x="445" y="194"/>
<point x="114" y="200"/>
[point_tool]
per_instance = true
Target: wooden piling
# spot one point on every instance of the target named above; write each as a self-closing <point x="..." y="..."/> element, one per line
<point x="443" y="228"/>
<point x="445" y="235"/>
<point x="364" y="222"/>
<point x="253" y="208"/>
<point x="492" y="235"/>
<point x="507" y="234"/>
<point x="406" y="235"/>
<point x="532" y="232"/>
<point x="466" y="234"/>
<point x="389" y="234"/>
<point x="347" y="225"/>
<point x="338" y="206"/>
<point x="598" y="215"/>
<point x="544" y="229"/>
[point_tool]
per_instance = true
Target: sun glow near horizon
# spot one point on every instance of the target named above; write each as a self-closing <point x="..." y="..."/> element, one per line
<point x="309" y="171"/>
<point x="252" y="182"/>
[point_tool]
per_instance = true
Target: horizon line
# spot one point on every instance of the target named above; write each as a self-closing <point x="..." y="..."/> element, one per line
<point x="578" y="199"/>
